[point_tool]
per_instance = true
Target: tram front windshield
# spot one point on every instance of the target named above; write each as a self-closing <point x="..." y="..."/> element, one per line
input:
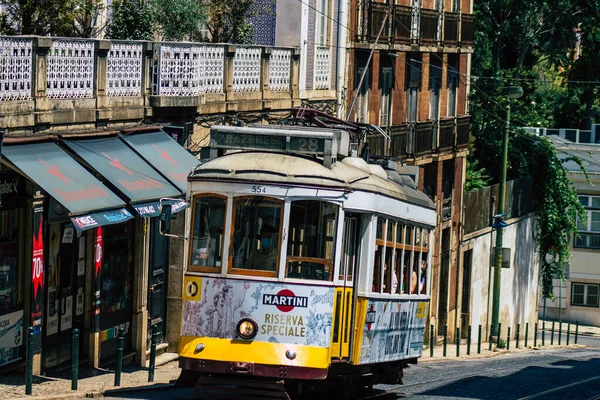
<point x="256" y="238"/>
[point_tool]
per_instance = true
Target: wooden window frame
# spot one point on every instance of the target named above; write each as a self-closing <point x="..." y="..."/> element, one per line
<point x="195" y="268"/>
<point x="251" y="272"/>
<point x="316" y="260"/>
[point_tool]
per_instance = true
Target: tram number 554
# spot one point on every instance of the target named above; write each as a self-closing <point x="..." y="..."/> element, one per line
<point x="259" y="189"/>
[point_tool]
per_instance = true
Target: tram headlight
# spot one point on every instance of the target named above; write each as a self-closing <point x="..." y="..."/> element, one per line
<point x="246" y="328"/>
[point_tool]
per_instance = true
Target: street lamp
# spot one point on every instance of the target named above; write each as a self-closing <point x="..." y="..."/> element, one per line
<point x="511" y="92"/>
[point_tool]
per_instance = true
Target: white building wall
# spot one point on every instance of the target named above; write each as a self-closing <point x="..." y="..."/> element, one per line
<point x="519" y="285"/>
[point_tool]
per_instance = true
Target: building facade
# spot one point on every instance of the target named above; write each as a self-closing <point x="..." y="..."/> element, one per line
<point x="577" y="297"/>
<point x="407" y="68"/>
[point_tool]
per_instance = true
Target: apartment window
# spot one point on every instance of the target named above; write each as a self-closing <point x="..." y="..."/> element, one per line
<point x="414" y="31"/>
<point x="584" y="294"/>
<point x="362" y="100"/>
<point x="413" y="72"/>
<point x="386" y="90"/>
<point x="452" y="83"/>
<point x="322" y="12"/>
<point x="589" y="232"/>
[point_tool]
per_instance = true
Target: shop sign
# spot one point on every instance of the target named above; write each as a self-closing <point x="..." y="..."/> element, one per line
<point x="149" y="210"/>
<point x="112" y="333"/>
<point x="12" y="186"/>
<point x="37" y="276"/>
<point x="98" y="257"/>
<point x="84" y="222"/>
<point x="293" y="314"/>
<point x="11" y="336"/>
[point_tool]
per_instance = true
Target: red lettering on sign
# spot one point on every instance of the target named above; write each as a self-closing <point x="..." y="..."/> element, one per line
<point x="37" y="264"/>
<point x="165" y="155"/>
<point x="117" y="164"/>
<point x="78" y="195"/>
<point x="53" y="170"/>
<point x="143" y="184"/>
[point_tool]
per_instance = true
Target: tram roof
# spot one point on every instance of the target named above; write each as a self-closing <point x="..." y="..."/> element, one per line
<point x="287" y="169"/>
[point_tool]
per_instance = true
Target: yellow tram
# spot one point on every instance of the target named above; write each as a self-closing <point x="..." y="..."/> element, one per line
<point x="303" y="263"/>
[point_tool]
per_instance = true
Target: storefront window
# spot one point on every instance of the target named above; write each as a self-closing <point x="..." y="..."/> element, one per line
<point x="207" y="237"/>
<point x="311" y="240"/>
<point x="10" y="258"/>
<point x="256" y="235"/>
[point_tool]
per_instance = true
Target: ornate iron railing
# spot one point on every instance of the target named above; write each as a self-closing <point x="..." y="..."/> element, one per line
<point x="246" y="69"/>
<point x="467" y="35"/>
<point x="322" y="68"/>
<point x="280" y="67"/>
<point x="450" y="29"/>
<point x="124" y="69"/>
<point x="16" y="60"/>
<point x="186" y="69"/>
<point x="70" y="72"/>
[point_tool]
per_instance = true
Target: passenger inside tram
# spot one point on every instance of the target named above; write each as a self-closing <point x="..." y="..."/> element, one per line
<point x="265" y="257"/>
<point x="422" y="286"/>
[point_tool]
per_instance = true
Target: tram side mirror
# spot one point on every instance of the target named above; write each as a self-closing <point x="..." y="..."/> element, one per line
<point x="165" y="219"/>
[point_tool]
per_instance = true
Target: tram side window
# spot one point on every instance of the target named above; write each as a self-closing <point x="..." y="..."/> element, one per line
<point x="379" y="249"/>
<point x="207" y="237"/>
<point x="424" y="265"/>
<point x="390" y="277"/>
<point x="311" y="240"/>
<point x="256" y="238"/>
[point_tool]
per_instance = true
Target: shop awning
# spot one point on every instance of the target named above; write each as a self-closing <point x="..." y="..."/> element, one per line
<point x="165" y="154"/>
<point x="134" y="177"/>
<point x="89" y="202"/>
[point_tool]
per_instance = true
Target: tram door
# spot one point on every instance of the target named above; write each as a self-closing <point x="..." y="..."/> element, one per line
<point x="344" y="296"/>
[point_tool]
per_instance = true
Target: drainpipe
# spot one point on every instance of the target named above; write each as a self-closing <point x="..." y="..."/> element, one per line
<point x="341" y="54"/>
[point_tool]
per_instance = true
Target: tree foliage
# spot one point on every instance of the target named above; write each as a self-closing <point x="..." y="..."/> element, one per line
<point x="228" y="21"/>
<point x="131" y="19"/>
<point x="71" y="18"/>
<point x="550" y="48"/>
<point x="178" y="19"/>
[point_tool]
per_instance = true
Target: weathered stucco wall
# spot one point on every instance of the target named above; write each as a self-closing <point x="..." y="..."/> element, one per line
<point x="519" y="285"/>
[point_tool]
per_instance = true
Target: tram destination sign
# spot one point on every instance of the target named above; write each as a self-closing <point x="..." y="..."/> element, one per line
<point x="253" y="139"/>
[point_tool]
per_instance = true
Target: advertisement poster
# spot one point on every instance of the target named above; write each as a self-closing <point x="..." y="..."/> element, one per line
<point x="285" y="313"/>
<point x="96" y="298"/>
<point x="393" y="330"/>
<point x="37" y="276"/>
<point x="66" y="313"/>
<point x="11" y="336"/>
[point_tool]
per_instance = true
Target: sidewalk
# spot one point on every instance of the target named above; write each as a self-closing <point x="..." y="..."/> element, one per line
<point x="92" y="382"/>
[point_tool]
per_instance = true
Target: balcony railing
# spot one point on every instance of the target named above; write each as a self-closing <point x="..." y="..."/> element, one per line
<point x="401" y="31"/>
<point x="447" y="133"/>
<point x="429" y="27"/>
<point x="450" y="29"/>
<point x="399" y="136"/>
<point x="122" y="80"/>
<point x="376" y="17"/>
<point x="462" y="131"/>
<point x="467" y="34"/>
<point x="447" y="209"/>
<point x="423" y="138"/>
<point x="408" y="25"/>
